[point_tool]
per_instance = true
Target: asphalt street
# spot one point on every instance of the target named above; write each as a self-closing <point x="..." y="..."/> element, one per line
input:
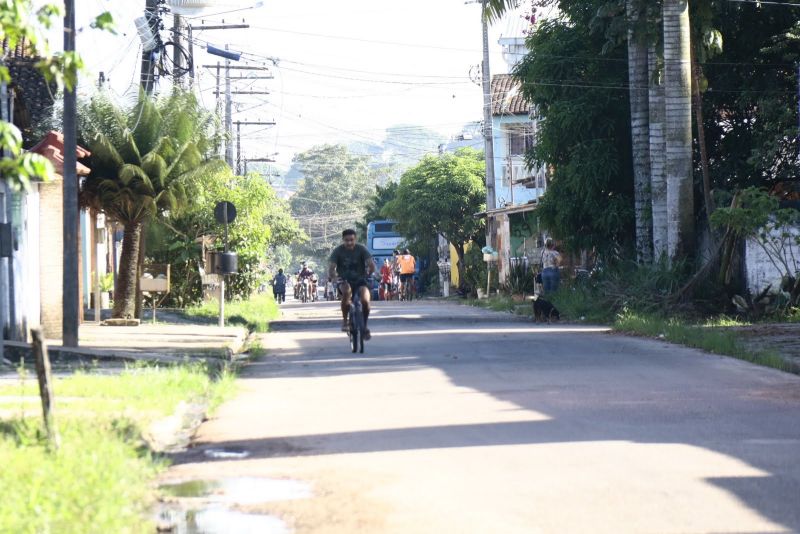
<point x="461" y="420"/>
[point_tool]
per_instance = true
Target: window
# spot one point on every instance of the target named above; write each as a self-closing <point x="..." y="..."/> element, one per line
<point x="520" y="139"/>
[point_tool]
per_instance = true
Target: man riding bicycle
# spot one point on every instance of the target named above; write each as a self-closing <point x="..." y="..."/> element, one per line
<point x="353" y="263"/>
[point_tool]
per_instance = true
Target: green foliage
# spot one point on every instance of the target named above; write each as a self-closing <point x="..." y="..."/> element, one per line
<point x="143" y="157"/>
<point x="520" y="280"/>
<point x="23" y="22"/>
<point x="331" y="196"/>
<point x="374" y="206"/>
<point x="263" y="223"/>
<point x="441" y="195"/>
<point x="584" y="132"/>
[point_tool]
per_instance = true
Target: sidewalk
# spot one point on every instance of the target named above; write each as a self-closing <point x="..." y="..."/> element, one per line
<point x="163" y="343"/>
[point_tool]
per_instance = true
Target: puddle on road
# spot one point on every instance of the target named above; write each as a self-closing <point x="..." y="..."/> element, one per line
<point x="244" y="490"/>
<point x="220" y="520"/>
<point x="202" y="506"/>
<point x="228" y="453"/>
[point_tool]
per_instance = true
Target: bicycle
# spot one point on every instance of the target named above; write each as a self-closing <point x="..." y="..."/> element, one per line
<point x="406" y="290"/>
<point x="357" y="323"/>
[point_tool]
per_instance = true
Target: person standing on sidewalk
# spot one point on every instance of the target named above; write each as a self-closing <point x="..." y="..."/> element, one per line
<point x="279" y="286"/>
<point x="551" y="260"/>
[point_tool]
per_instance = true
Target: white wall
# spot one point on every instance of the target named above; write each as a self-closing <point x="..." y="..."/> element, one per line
<point x="760" y="271"/>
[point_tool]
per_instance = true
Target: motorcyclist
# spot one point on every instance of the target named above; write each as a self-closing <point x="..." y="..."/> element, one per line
<point x="306" y="273"/>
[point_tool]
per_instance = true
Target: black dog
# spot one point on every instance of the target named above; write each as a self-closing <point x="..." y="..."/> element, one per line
<point x="544" y="310"/>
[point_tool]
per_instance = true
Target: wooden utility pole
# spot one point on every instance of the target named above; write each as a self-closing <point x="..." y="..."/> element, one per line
<point x="70" y="305"/>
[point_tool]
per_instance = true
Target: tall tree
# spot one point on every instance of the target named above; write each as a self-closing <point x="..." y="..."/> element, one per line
<point x="678" y="129"/>
<point x="440" y="195"/>
<point x="640" y="128"/>
<point x="658" y="180"/>
<point x="142" y="158"/>
<point x="331" y="195"/>
<point x="584" y="134"/>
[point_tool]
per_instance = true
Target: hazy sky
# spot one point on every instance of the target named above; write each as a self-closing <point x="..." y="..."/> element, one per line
<point x="346" y="70"/>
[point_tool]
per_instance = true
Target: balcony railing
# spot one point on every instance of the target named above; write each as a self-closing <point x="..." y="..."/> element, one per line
<point x="522" y="175"/>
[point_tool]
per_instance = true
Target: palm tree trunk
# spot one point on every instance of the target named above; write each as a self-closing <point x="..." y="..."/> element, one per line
<point x="125" y="291"/>
<point x="697" y="98"/>
<point x="640" y="134"/>
<point x="678" y="129"/>
<point x="658" y="182"/>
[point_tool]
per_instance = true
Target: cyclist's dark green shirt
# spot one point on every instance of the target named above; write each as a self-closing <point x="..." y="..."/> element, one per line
<point x="351" y="265"/>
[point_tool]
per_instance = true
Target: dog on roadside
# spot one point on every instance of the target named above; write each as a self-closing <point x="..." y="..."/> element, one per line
<point x="544" y="311"/>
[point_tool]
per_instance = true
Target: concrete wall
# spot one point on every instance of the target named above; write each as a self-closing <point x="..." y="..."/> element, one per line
<point x="51" y="252"/>
<point x="761" y="271"/>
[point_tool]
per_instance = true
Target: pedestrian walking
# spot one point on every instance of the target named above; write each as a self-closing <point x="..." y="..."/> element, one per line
<point x="551" y="260"/>
<point x="279" y="287"/>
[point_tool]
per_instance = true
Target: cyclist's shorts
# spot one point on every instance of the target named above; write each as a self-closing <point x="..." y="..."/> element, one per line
<point x="406" y="277"/>
<point x="354" y="284"/>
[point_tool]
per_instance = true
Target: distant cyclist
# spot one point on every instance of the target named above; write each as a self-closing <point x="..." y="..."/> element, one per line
<point x="408" y="267"/>
<point x="353" y="263"/>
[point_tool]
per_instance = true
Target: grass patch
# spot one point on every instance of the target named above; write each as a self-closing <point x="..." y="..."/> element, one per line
<point x="99" y="480"/>
<point x="709" y="336"/>
<point x="255" y="313"/>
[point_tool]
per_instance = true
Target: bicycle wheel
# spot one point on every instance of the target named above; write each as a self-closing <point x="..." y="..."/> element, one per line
<point x="354" y="339"/>
<point x="358" y="325"/>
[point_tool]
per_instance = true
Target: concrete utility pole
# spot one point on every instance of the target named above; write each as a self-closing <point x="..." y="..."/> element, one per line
<point x="70" y="306"/>
<point x="239" y="125"/>
<point x="148" y="66"/>
<point x="228" y="114"/>
<point x="487" y="127"/>
<point x="177" y="58"/>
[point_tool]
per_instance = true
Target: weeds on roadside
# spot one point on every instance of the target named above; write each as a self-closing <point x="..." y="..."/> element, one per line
<point x="98" y="481"/>
<point x="255" y="313"/>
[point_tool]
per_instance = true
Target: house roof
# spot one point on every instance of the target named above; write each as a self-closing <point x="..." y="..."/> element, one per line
<point x="52" y="148"/>
<point x="507" y="97"/>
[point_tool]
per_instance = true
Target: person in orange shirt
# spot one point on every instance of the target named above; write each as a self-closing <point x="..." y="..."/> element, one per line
<point x="408" y="266"/>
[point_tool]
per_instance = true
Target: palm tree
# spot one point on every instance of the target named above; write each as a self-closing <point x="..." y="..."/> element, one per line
<point x="143" y="158"/>
<point x="497" y="8"/>
<point x="658" y="184"/>
<point x="678" y="129"/>
<point x="640" y="129"/>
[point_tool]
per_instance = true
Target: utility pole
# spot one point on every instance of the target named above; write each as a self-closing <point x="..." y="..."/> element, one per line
<point x="148" y="66"/>
<point x="256" y="160"/>
<point x="487" y="128"/>
<point x="228" y="114"/>
<point x="177" y="58"/>
<point x="190" y="29"/>
<point x="239" y="125"/>
<point x="69" y="301"/>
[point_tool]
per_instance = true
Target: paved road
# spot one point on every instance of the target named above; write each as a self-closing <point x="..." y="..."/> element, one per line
<point x="457" y="420"/>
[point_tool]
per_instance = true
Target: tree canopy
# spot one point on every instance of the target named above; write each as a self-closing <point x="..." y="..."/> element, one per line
<point x="331" y="196"/>
<point x="441" y="195"/>
<point x="584" y="131"/>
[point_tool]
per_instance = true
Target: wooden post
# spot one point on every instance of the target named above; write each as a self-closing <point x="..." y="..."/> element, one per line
<point x="45" y="385"/>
